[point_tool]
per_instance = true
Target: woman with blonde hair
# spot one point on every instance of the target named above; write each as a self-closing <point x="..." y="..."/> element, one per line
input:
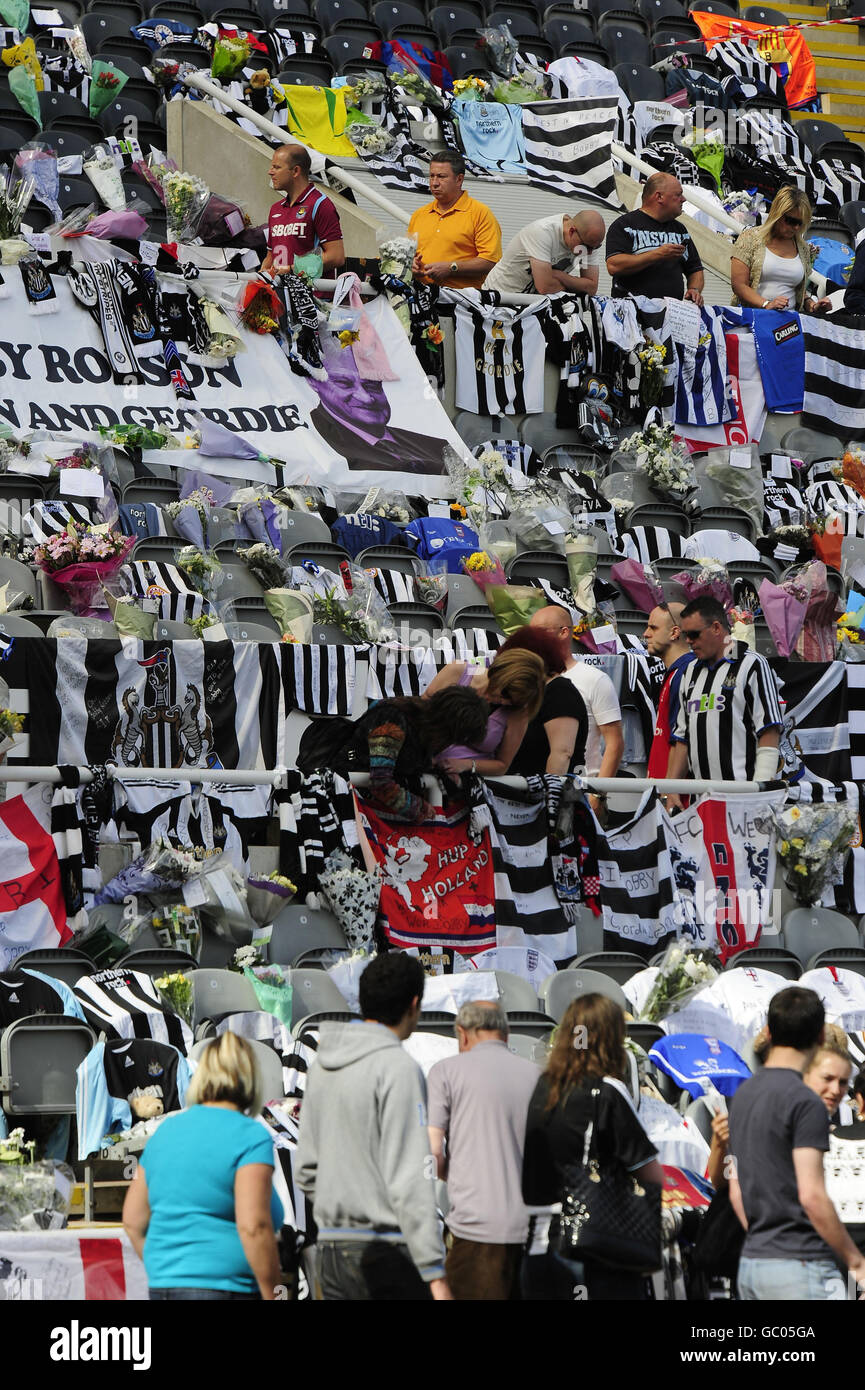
<point x="513" y="686"/>
<point x="829" y="1070"/>
<point x="770" y="264"/>
<point x="201" y="1212"/>
<point x="588" y="1056"/>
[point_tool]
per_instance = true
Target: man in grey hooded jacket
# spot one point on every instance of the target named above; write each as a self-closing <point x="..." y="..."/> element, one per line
<point x="363" y="1156"/>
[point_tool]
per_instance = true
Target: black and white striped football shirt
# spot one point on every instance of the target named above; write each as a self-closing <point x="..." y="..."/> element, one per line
<point x="723" y="709"/>
<point x="126" y="1004"/>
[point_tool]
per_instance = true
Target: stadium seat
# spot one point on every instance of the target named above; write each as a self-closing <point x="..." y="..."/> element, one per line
<point x="60" y="962"/>
<point x="842" y="957"/>
<point x="619" y="965"/>
<point x="75" y="192"/>
<point x="414" y="619"/>
<point x="639" y="82"/>
<point x="322" y="76"/>
<point x="776" y="958"/>
<point x="389" y="557"/>
<point x="653" y="10"/>
<point x="298" y="928"/>
<point x="532" y="1049"/>
<point x="717" y="7"/>
<point x="817" y="133"/>
<point x="169" y="628"/>
<point x="811" y="445"/>
<point x="324" y="553"/>
<point x="39" y="1059"/>
<point x="349" y="44"/>
<point x="760" y="14"/>
<point x="515" y="994"/>
<point x="313" y="991"/>
<point x="645" y="1035"/>
<point x="391" y="14"/>
<point x="158" y="490"/>
<point x="809" y="930"/>
<point x="474" y="619"/>
<point x="531" y="565"/>
<point x="683" y="37"/>
<point x="158" y="961"/>
<point x="662" y="515"/>
<point x="559" y="990"/>
<point x="268" y="1061"/>
<point x="464" y="60"/>
<point x="332" y="13"/>
<point x="623" y="42"/>
<point x="561" y="32"/>
<point x="128" y="10"/>
<point x="523" y="25"/>
<point x="13" y="626"/>
<point x="700" y="1115"/>
<point x="303" y="527"/>
<point x="251" y="608"/>
<point x="853" y="216"/>
<point x="57" y="106"/>
<point x="99" y="26"/>
<point x="21" y="580"/>
<point x="450" y="20"/>
<point x="273" y="12"/>
<point x="717" y="518"/>
<point x="218" y="992"/>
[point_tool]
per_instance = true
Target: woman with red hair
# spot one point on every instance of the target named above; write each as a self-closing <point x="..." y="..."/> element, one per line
<point x="555" y="740"/>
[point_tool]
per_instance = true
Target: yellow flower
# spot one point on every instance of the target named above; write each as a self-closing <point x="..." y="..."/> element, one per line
<point x="795" y="813"/>
<point x="347" y="337"/>
<point x="798" y="843"/>
<point x="800" y="869"/>
<point x="784" y="846"/>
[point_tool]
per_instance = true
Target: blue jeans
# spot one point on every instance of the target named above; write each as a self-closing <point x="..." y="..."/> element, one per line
<point x="184" y="1295"/>
<point x="790" y="1281"/>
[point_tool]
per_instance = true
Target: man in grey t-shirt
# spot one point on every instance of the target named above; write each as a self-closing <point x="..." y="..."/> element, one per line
<point x="551" y="255"/>
<point x="477" y="1104"/>
<point x="779" y="1132"/>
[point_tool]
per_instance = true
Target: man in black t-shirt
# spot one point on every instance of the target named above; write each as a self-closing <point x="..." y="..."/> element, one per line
<point x="778" y="1136"/>
<point x="649" y="252"/>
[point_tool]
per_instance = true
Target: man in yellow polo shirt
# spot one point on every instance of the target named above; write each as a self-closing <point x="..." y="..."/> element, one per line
<point x="458" y="239"/>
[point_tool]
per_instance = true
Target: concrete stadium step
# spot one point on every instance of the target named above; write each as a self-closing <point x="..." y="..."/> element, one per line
<point x="795" y="13"/>
<point x="849" y="69"/>
<point x="844" y="106"/>
<point x="851" y="125"/>
<point x="834" y="38"/>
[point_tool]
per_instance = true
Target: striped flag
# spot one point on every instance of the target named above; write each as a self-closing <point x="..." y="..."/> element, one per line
<point x="193" y="704"/>
<point x="568" y="146"/>
<point x="834" y="399"/>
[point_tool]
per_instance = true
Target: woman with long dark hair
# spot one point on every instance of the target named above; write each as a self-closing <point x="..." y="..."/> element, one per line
<point x="555" y="740"/>
<point x="588" y="1055"/>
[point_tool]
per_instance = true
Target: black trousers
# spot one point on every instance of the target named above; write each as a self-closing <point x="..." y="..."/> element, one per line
<point x="351" y="1271"/>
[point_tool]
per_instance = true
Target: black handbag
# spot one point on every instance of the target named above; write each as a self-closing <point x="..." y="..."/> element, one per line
<point x="607" y="1214"/>
<point x="720" y="1238"/>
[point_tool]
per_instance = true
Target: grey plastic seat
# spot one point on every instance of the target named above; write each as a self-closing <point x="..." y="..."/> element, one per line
<point x="251" y="608"/>
<point x="170" y="628"/>
<point x="474" y="618"/>
<point x="808" y="930"/>
<point x="236" y="581"/>
<point x="67" y="624"/>
<point x="414" y="621"/>
<point x="516" y="995"/>
<point x="462" y="592"/>
<point x="156" y="548"/>
<point x="299" y="527"/>
<point x="267" y="1060"/>
<point x="60" y="962"/>
<point x="389" y="557"/>
<point x="19" y="577"/>
<point x="39" y="1058"/>
<point x="811" y="445"/>
<point x="667" y="518"/>
<point x="156" y="490"/>
<point x="532" y="1049"/>
<point x="843" y="957"/>
<point x="313" y="992"/>
<point x="701" y="1116"/>
<point x="531" y="565"/>
<point x="252" y="632"/>
<point x="561" y="989"/>
<point x="325" y="553"/>
<point x="776" y="958"/>
<point x="298" y="928"/>
<point x="477" y="429"/>
<point x="724" y="518"/>
<point x="163" y="960"/>
<point x="216" y="992"/>
<point x="619" y="965"/>
<point x="645" y="1035"/>
<point x="13" y="626"/>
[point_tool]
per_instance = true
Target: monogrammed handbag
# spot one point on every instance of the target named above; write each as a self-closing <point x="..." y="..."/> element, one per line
<point x="607" y="1214"/>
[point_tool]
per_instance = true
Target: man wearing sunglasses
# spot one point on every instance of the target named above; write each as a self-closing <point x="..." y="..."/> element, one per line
<point x="730" y="720"/>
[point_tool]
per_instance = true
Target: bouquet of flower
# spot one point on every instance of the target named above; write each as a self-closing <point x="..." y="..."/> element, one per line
<point x="106" y="82"/>
<point x="36" y="164"/>
<point x="707" y="578"/>
<point x="203" y="568"/>
<point x="186" y="197"/>
<point x="484" y="569"/>
<point x="417" y="87"/>
<point x="161" y="868"/>
<point x="358" y="616"/>
<point x="80" y="559"/>
<point x="272" y="986"/>
<point x="178" y="927"/>
<point x="223" y="342"/>
<point x="15" y="195"/>
<point x="245" y="958"/>
<point x="11" y="725"/>
<point x="593" y="631"/>
<point x="817" y="636"/>
<point x="472" y="88"/>
<point x="78" y="48"/>
<point x="746" y="206"/>
<point x="266" y="897"/>
<point x="191" y="516"/>
<point x="371" y="139"/>
<point x="396" y="256"/>
<point x="353" y="895"/>
<point x="813" y="844"/>
<point x="166" y="74"/>
<point x="33" y="1196"/>
<point x="293" y="610"/>
<point x="138" y="437"/>
<point x="230" y="54"/>
<point x="653" y="373"/>
<point x="176" y="990"/>
<point x="395" y="507"/>
<point x="664" y="459"/>
<point x="682" y="973"/>
<point x="12" y="1149"/>
<point x="367" y="86"/>
<point x="260" y="308"/>
<point x="266" y="564"/>
<point x="103" y="173"/>
<point x="639" y="582"/>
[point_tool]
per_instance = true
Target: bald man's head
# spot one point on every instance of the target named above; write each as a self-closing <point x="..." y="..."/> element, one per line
<point x="663" y="630"/>
<point x="590" y="228"/>
<point x="663" y="198"/>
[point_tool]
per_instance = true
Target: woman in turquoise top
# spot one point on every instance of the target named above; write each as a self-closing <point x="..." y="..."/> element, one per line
<point x="201" y="1211"/>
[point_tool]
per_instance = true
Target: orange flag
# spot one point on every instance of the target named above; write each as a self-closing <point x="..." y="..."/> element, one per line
<point x="781" y="47"/>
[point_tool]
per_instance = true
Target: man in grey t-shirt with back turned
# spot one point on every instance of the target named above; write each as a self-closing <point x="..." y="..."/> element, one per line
<point x="478" y="1102"/>
<point x="795" y="1245"/>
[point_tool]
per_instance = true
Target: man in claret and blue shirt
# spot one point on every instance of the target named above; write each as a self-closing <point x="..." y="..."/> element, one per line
<point x="306" y="220"/>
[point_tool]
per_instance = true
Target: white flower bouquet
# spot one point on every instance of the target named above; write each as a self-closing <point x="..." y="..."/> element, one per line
<point x="813" y="844"/>
<point x="33" y="1196"/>
<point x="396" y="256"/>
<point x="682" y="973"/>
<point x="664" y="459"/>
<point x="371" y="139"/>
<point x="186" y="197"/>
<point x="103" y="173"/>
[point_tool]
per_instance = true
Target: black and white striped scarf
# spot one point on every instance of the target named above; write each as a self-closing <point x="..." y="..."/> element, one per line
<point x="316" y="816"/>
<point x="120" y="299"/>
<point x="49" y="518"/>
<point x="178" y="600"/>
